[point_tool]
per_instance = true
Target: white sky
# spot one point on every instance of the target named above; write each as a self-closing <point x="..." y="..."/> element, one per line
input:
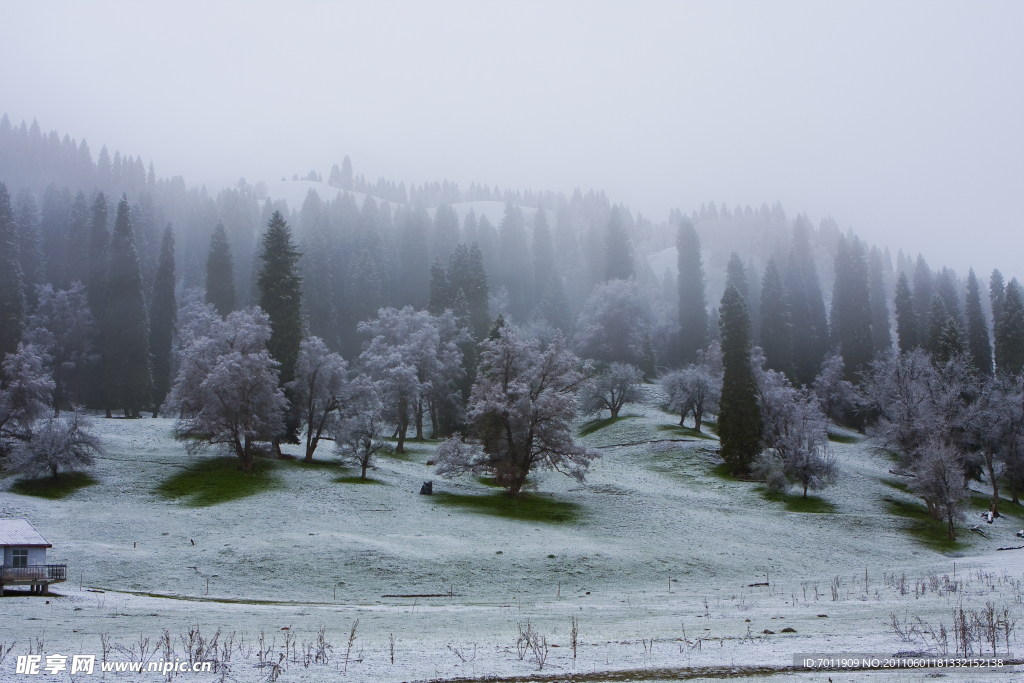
<point x="904" y="121"/>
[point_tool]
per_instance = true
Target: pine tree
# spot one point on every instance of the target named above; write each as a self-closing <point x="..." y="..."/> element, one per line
<point x="220" y="273"/>
<point x="851" y="309"/>
<point x="977" y="328"/>
<point x="281" y="295"/>
<point x="12" y="293"/>
<point x="98" y="262"/>
<point x="922" y="295"/>
<point x="415" y="268"/>
<point x="440" y="295"/>
<point x="739" y="417"/>
<point x="952" y="343"/>
<point x="1010" y="331"/>
<point x="127" y="368"/>
<point x="938" y="315"/>
<point x="693" y="306"/>
<point x="618" y="248"/>
<point x="996" y="295"/>
<point x="776" y="328"/>
<point x="446" y="232"/>
<point x="467" y="274"/>
<point x="806" y="307"/>
<point x="906" y="320"/>
<point x="946" y="289"/>
<point x="163" y="316"/>
<point x="30" y="245"/>
<point x="736" y="275"/>
<point x="880" y="328"/>
<point x="544" y="269"/>
<point x="74" y="267"/>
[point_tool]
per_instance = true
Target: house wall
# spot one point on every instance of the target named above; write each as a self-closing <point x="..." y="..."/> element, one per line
<point x="35" y="555"/>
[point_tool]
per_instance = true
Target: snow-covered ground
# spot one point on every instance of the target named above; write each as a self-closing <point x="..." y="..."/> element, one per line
<point x="656" y="568"/>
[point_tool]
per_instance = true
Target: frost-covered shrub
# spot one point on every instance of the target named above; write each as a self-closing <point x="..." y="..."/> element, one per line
<point x="837" y="396"/>
<point x="695" y="389"/>
<point x="359" y="434"/>
<point x="318" y="390"/>
<point x="521" y="407"/>
<point x="939" y="479"/>
<point x="24" y="393"/>
<point x="614" y="323"/>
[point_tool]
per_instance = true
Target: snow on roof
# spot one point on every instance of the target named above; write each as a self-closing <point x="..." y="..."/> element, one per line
<point x="20" y="532"/>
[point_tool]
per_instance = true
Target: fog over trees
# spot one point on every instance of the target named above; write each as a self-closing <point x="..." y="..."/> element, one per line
<point x="489" y="318"/>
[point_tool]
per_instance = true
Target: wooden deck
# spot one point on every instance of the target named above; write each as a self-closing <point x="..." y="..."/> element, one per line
<point x="35" y="575"/>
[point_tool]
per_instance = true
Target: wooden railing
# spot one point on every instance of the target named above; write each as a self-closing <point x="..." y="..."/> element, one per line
<point x="43" y="573"/>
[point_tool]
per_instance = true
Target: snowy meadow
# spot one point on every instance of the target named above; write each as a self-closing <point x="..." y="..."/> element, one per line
<point x="659" y="566"/>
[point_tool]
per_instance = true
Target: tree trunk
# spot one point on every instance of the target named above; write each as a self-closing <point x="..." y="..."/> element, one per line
<point x="697" y="418"/>
<point x="419" y="420"/>
<point x="805" y="491"/>
<point x="614" y="411"/>
<point x="433" y="420"/>
<point x="127" y="413"/>
<point x="57" y="395"/>
<point x="311" y="443"/>
<point x="682" y="419"/>
<point x="990" y="466"/>
<point x="53" y="468"/>
<point x="403" y="427"/>
<point x="276" y="445"/>
<point x="952" y="530"/>
<point x="109" y="414"/>
<point x="244" y="454"/>
<point x="364" y="469"/>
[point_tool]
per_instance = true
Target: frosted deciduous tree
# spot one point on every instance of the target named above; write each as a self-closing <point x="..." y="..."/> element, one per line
<point x="318" y="390"/>
<point x="226" y="391"/>
<point x="795" y="435"/>
<point x="613" y="323"/>
<point x="61" y="327"/>
<point x="939" y="479"/>
<point x="695" y="390"/>
<point x="24" y="393"/>
<point x="836" y="396"/>
<point x="611" y="390"/>
<point x="57" y="444"/>
<point x="521" y="408"/>
<point x="359" y="434"/>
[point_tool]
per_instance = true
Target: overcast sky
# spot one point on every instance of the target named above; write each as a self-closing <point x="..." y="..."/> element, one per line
<point x="904" y="121"/>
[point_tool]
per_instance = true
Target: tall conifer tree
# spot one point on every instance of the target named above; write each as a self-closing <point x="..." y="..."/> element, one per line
<point x="128" y="372"/>
<point x="1010" y="331"/>
<point x="466" y="273"/>
<point x="923" y="291"/>
<point x="163" y="316"/>
<point x="220" y="272"/>
<point x="98" y="262"/>
<point x="12" y="294"/>
<point x="806" y="306"/>
<point x="880" y="328"/>
<point x="739" y="417"/>
<point x="996" y="295"/>
<point x="851" y="309"/>
<point x="281" y="294"/>
<point x="776" y="327"/>
<point x="618" y="248"/>
<point x="977" y="328"/>
<point x="906" y="320"/>
<point x="693" y="305"/>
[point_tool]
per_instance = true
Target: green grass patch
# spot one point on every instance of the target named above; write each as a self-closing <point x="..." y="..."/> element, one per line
<point x="315" y="464"/>
<point x="54" y="488"/>
<point x="927" y="531"/>
<point x="594" y="425"/>
<point x="489" y="481"/>
<point x="835" y="437"/>
<point x="722" y="472"/>
<point x="527" y="508"/>
<point x="983" y="501"/>
<point x="356" y="479"/>
<point x="898" y="485"/>
<point x="686" y="431"/>
<point x="797" y="502"/>
<point x="218" y="480"/>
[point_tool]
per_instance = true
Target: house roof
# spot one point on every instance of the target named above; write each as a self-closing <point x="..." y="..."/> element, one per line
<point x="21" y="532"/>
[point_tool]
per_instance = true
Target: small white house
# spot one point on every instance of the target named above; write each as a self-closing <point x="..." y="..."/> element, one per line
<point x="23" y="558"/>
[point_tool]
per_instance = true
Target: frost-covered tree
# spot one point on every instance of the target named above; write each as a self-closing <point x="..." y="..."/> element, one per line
<point x="1009" y="330"/>
<point x="611" y="390"/>
<point x="695" y="390"/>
<point x="416" y="361"/>
<point x="836" y="396"/>
<point x="851" y="308"/>
<point x="776" y="326"/>
<point x="795" y="434"/>
<point x="61" y="327"/>
<point x="226" y="391"/>
<point x="978" y="342"/>
<point x="939" y="479"/>
<point x="57" y="444"/>
<point x="613" y="323"/>
<point x="359" y="434"/>
<point x="522" y="407"/>
<point x="281" y="294"/>
<point x="24" y="393"/>
<point x="318" y="390"/>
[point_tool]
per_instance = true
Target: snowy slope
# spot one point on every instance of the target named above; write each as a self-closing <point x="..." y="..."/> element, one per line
<point x="653" y="514"/>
